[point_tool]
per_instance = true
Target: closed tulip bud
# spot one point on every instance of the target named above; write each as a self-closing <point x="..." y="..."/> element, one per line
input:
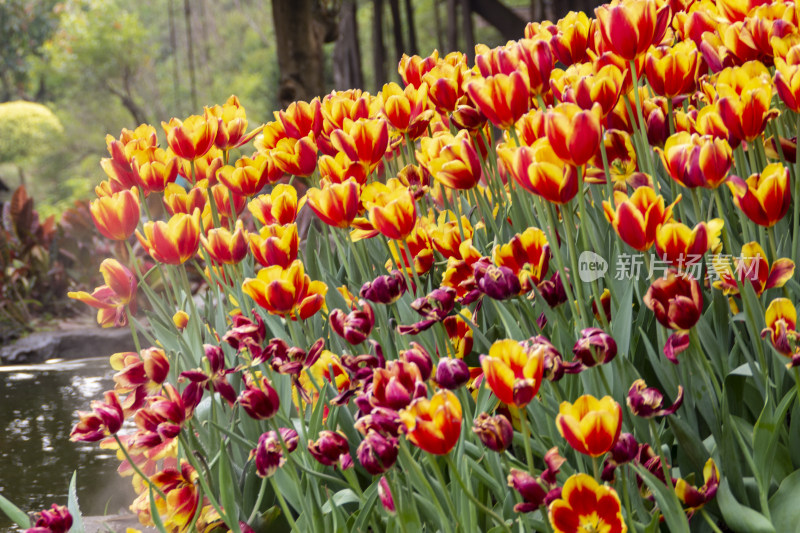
<point x="764" y="197"/>
<point x="277" y="207"/>
<point x="589" y="425"/>
<point x="468" y="117"/>
<point x="676" y="300"/>
<point x="377" y="453"/>
<point x="605" y="303"/>
<point x="354" y="326"/>
<point x="433" y="425"/>
<point x="495" y="432"/>
<point x="574" y="133"/>
<point x="420" y="357"/>
<point x="331" y="449"/>
<point x="180" y="320"/>
<point x="680" y="245"/>
<point x="286" y="292"/>
<point x="636" y="219"/>
<point x="57" y="519"/>
<point x="595" y="347"/>
<point x="259" y="399"/>
<point x="385" y="495"/>
<point x="630" y="27"/>
<point x="193" y="137"/>
<point x="695" y="160"/>
<point x="648" y="402"/>
<point x="553" y="290"/>
<point x="275" y="245"/>
<point x="268" y="454"/>
<point x="225" y="247"/>
<point x="624" y="451"/>
<point x="496" y="282"/>
<point x="116" y="216"/>
<point x="673" y="71"/>
<point x="451" y="160"/>
<point x="385" y="289"/>
<point x="452" y="373"/>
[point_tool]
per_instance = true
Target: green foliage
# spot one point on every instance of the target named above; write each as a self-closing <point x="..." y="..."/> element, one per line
<point x="26" y="131"/>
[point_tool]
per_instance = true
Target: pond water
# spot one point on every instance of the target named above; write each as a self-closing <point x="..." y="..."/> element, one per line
<point x="38" y="405"/>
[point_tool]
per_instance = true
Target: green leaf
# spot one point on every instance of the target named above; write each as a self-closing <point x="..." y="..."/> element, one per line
<point x="342" y="497"/>
<point x="667" y="501"/>
<point x="228" y="489"/>
<point x="739" y="518"/>
<point x="14" y="513"/>
<point x="622" y="321"/>
<point x="74" y="508"/>
<point x="783" y="508"/>
<point x="766" y="433"/>
<point x="154" y="511"/>
<point x="689" y="443"/>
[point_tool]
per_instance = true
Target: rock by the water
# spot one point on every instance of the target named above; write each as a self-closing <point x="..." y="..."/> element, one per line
<point x="77" y="343"/>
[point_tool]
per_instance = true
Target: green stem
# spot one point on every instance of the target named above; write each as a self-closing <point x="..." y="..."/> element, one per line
<point x="432" y="461"/>
<point x="476" y="501"/>
<point x="282" y="503"/>
<point x="710" y="522"/>
<point x="138" y="470"/>
<point x="526" y="437"/>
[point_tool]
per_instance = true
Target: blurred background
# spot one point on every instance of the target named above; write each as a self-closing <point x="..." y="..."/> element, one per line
<point x="73" y="71"/>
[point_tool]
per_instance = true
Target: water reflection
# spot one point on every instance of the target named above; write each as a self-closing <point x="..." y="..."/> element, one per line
<point x="38" y="405"/>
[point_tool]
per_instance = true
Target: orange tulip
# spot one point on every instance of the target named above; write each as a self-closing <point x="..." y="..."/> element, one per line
<point x="301" y="119"/>
<point x="248" y="176"/>
<point x="589" y="425"/>
<point x="585" y="505"/>
<point x="637" y="219"/>
<point x="696" y="161"/>
<point x="391" y="208"/>
<point x="297" y="157"/>
<point x="286" y="292"/>
<point x="173" y="242"/>
<point x="116" y="216"/>
<point x="433" y="425"/>
<point x="277" y="207"/>
<point x="672" y="71"/>
<point x="781" y="320"/>
<point x="336" y="204"/>
<point x="502" y="98"/>
<point x="452" y="161"/>
<point x="513" y="371"/>
<point x="407" y="109"/>
<point x="681" y="245"/>
<point x="527" y="255"/>
<point x="765" y="197"/>
<point x="574" y="133"/>
<point x="275" y="245"/>
<point x="629" y="27"/>
<point x="193" y="137"/>
<point x="225" y="247"/>
<point x="232" y="125"/>
<point x="539" y="170"/>
<point x="364" y="141"/>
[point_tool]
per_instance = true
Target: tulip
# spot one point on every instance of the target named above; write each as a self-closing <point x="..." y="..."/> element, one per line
<point x="365" y="141"/>
<point x="413" y="68"/>
<point x="459" y="333"/>
<point x="173" y="242"/>
<point x="595" y="347"/>
<point x="636" y="219"/>
<point x="586" y="505"/>
<point x="624" y="451"/>
<point x="146" y="370"/>
<point x="696" y="497"/>
<point x="589" y="425"/>
<point x="629" y="27"/>
<point x="301" y="119"/>
<point x="355" y="326"/>
<point x="407" y="109"/>
<point x="451" y="160"/>
<point x="246" y="332"/>
<point x="574" y="133"/>
<point x="180" y="319"/>
<point x="787" y="78"/>
<point x="433" y="425"/>
<point x="57" y="519"/>
<point x="277" y="207"/>
<point x="116" y="216"/>
<point x="118" y="166"/>
<point x="746" y="114"/>
<point x="752" y="265"/>
<point x="331" y="449"/>
<point x="433" y="307"/>
<point x="495" y="432"/>
<point x="292" y="361"/>
<point x="527" y="254"/>
<point x="377" y="453"/>
<point x="114" y="297"/>
<point x="232" y="125"/>
<point x="584" y="86"/>
<point x="570" y="43"/>
<point x="680" y="245"/>
<point x="268" y="454"/>
<point x="502" y="98"/>
<point x="153" y="169"/>
<point x="275" y="245"/>
<point x="160" y="421"/>
<point x="384" y="289"/>
<point x="336" y="204"/>
<point x="539" y="170"/>
<point x="781" y="320"/>
<point x="397" y="385"/>
<point x="513" y="371"/>
<point x="286" y="292"/>
<point x="391" y="208"/>
<point x="445" y="85"/>
<point x="181" y="488"/>
<point x="105" y="419"/>
<point x="178" y="200"/>
<point x="676" y="300"/>
<point x="193" y="137"/>
<point x="694" y="160"/>
<point x="764" y="197"/>
<point x="648" y="402"/>
<point x="297" y="157"/>
<point x="340" y="168"/>
<point x="248" y="176"/>
<point x="496" y="282"/>
<point x="213" y="377"/>
<point x="420" y="357"/>
<point x="673" y="71"/>
<point x="225" y="247"/>
<point x="452" y="373"/>
<point x="259" y="399"/>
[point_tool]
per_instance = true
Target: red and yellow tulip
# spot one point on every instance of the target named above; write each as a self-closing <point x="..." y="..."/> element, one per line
<point x="336" y="204"/>
<point x="765" y="198"/>
<point x="451" y="160"/>
<point x="589" y="425"/>
<point x="286" y="292"/>
<point x="636" y="219"/>
<point x="513" y="371"/>
<point x="277" y="207"/>
<point x="433" y="425"/>
<point x="585" y="505"/>
<point x="193" y="137"/>
<point x="173" y="242"/>
<point x="116" y="216"/>
<point x="224" y="246"/>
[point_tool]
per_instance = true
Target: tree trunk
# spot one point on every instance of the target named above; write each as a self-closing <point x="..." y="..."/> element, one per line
<point x="397" y="29"/>
<point x="173" y="44"/>
<point x="437" y="22"/>
<point x="510" y="25"/>
<point x="469" y="33"/>
<point x="413" y="47"/>
<point x="347" y="73"/>
<point x="378" y="50"/>
<point x="187" y="15"/>
<point x="299" y="50"/>
<point x="452" y="25"/>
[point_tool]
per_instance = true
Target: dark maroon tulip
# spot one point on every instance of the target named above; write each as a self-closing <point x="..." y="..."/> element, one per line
<point x="331" y="449"/>
<point x="377" y="453"/>
<point x="452" y="373"/>
<point x="648" y="402"/>
<point x="495" y="432"/>
<point x="355" y="326"/>
<point x="259" y="399"/>
<point x="595" y="347"/>
<point x="384" y="289"/>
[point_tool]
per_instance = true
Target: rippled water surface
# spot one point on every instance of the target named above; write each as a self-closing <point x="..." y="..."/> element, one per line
<point x="38" y="406"/>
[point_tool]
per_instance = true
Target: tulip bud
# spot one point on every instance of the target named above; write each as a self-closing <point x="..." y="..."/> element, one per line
<point x="331" y="449"/>
<point x="595" y="347"/>
<point x="553" y="290"/>
<point x="533" y="495"/>
<point x="648" y="402"/>
<point x="269" y="454"/>
<point x="385" y="495"/>
<point x="377" y="453"/>
<point x="260" y="400"/>
<point x="57" y="519"/>
<point x="385" y="289"/>
<point x="496" y="282"/>
<point x="355" y="326"/>
<point x="180" y="319"/>
<point x="420" y="357"/>
<point x="452" y="373"/>
<point x="676" y="300"/>
<point x="495" y="432"/>
<point x="624" y="451"/>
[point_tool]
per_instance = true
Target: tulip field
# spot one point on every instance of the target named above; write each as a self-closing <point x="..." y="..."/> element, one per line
<point x="551" y="289"/>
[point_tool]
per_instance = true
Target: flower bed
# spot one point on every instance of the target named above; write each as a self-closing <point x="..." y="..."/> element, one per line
<point x="603" y="186"/>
